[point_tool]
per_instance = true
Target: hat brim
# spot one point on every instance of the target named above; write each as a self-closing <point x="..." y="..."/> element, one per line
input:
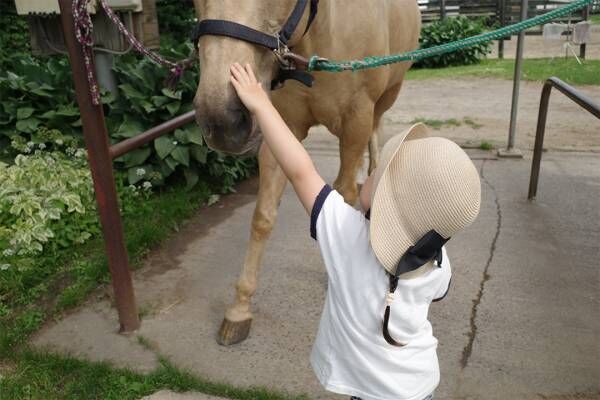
<point x="379" y="191"/>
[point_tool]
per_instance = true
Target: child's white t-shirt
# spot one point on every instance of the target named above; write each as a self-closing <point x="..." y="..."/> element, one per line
<point x="350" y="355"/>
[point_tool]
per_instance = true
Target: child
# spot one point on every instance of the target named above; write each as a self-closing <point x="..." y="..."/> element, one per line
<point x="425" y="191"/>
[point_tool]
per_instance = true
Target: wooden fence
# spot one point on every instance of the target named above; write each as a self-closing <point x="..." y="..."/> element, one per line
<point x="501" y="12"/>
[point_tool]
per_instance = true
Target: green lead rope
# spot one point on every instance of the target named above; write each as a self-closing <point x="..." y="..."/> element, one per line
<point x="317" y="63"/>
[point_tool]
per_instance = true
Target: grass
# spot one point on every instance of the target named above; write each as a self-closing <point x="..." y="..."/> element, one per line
<point x="438" y="124"/>
<point x="533" y="70"/>
<point x="595" y="19"/>
<point x="485" y="145"/>
<point x="45" y="376"/>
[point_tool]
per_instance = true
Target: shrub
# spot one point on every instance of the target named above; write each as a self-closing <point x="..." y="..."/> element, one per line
<point x="14" y="33"/>
<point x="176" y="17"/>
<point x="44" y="197"/>
<point x="47" y="203"/>
<point x="449" y="30"/>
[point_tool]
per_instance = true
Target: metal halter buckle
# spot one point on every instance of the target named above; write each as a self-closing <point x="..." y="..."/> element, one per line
<point x="289" y="60"/>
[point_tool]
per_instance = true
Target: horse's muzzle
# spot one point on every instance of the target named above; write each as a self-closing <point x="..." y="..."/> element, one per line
<point x="233" y="133"/>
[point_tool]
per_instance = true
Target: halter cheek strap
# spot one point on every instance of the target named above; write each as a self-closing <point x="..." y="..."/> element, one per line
<point x="291" y="65"/>
<point x="428" y="248"/>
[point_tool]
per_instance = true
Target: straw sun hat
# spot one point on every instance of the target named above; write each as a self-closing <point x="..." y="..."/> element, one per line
<point x="422" y="183"/>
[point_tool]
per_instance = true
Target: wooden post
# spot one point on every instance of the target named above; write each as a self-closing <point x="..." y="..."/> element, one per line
<point x="502" y="18"/>
<point x="585" y="15"/>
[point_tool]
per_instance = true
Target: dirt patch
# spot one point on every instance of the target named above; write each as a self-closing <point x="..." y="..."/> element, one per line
<point x="477" y="110"/>
<point x="6" y="368"/>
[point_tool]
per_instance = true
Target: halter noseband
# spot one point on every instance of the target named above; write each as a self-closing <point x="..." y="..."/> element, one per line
<point x="292" y="66"/>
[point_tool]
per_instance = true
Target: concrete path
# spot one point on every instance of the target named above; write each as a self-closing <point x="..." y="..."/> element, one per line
<point x="168" y="395"/>
<point x="521" y="320"/>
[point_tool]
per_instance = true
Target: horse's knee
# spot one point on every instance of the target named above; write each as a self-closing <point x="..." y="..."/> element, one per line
<point x="348" y="190"/>
<point x="246" y="288"/>
<point x="262" y="224"/>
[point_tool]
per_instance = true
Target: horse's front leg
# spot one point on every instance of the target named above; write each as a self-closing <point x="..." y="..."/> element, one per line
<point x="238" y="318"/>
<point x="357" y="129"/>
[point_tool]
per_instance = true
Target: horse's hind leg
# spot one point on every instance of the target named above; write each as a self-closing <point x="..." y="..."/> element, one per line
<point x="238" y="318"/>
<point x="374" y="149"/>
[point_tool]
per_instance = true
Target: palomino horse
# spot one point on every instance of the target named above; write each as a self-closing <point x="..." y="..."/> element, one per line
<point x="350" y="105"/>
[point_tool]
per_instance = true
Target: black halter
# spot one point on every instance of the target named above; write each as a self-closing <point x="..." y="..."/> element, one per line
<point x="290" y="63"/>
<point x="428" y="248"/>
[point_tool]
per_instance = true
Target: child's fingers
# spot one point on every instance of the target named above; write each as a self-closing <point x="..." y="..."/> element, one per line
<point x="250" y="74"/>
<point x="236" y="84"/>
<point x="240" y="74"/>
<point x="235" y="72"/>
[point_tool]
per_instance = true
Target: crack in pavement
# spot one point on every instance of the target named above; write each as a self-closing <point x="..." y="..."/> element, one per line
<point x="468" y="349"/>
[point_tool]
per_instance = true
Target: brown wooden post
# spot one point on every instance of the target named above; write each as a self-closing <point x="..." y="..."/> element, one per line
<point x="585" y="15"/>
<point x="96" y="140"/>
<point x="502" y="18"/>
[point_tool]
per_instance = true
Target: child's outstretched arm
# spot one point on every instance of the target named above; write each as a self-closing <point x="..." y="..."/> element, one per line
<point x="289" y="153"/>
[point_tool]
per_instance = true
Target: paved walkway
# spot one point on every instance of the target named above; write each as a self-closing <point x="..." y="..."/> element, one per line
<point x="521" y="320"/>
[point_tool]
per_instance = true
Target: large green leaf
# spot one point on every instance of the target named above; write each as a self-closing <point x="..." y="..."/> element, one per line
<point x="135" y="157"/>
<point x="182" y="136"/>
<point x="160" y="101"/>
<point x="182" y="154"/>
<point x="131" y="92"/>
<point x="28" y="125"/>
<point x="176" y="95"/>
<point x="195" y="134"/>
<point x="129" y="127"/>
<point x="200" y="153"/>
<point x="173" y="107"/>
<point x="25" y="112"/>
<point x="171" y="162"/>
<point x="164" y="145"/>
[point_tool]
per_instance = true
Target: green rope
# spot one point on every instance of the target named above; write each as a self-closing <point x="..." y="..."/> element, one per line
<point x="317" y="63"/>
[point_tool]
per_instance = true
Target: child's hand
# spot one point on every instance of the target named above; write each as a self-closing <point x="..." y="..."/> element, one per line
<point x="248" y="89"/>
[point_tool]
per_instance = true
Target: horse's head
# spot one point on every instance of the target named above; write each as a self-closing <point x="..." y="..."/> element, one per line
<point x="226" y="123"/>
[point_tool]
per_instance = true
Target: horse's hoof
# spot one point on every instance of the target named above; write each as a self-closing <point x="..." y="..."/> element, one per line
<point x="233" y="332"/>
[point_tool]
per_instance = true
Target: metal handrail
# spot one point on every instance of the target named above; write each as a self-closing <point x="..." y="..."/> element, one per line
<point x="117" y="150"/>
<point x="582" y="100"/>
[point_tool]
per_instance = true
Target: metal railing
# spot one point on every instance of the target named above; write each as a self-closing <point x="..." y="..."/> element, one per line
<point x="572" y="93"/>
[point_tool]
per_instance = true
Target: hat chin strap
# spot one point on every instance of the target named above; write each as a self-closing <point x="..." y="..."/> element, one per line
<point x="428" y="248"/>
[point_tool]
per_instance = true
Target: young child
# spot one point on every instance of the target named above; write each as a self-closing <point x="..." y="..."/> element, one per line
<point x="386" y="266"/>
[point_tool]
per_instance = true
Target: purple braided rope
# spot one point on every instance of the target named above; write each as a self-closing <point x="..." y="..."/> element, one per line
<point x="84" y="33"/>
<point x="84" y="30"/>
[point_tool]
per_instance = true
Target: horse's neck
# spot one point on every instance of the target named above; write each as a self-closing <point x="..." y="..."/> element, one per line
<point x="330" y="35"/>
<point x="322" y="27"/>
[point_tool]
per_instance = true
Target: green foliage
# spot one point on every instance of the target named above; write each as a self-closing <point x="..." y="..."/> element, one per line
<point x="449" y="30"/>
<point x="49" y="376"/>
<point x="36" y="95"/>
<point x="14" y="33"/>
<point x="176" y="17"/>
<point x="44" y="197"/>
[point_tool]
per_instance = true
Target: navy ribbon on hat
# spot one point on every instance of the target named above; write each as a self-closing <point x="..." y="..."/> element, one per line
<point x="428" y="248"/>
